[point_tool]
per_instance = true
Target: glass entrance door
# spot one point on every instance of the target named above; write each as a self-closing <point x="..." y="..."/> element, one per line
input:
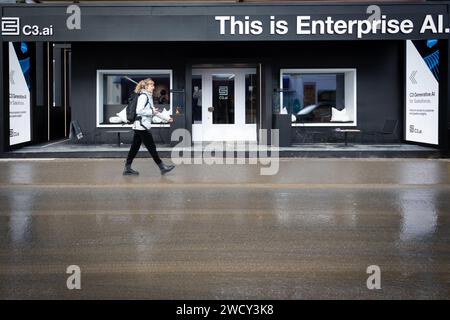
<point x="226" y="97"/>
<point x="223" y="105"/>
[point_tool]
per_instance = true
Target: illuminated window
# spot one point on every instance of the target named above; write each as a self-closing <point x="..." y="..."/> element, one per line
<point x="319" y="97"/>
<point x="114" y="87"/>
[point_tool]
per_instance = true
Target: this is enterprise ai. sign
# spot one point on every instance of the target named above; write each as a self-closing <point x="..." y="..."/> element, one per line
<point x="306" y="25"/>
<point x="83" y="24"/>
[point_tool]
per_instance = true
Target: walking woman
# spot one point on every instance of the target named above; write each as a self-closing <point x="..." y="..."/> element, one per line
<point x="141" y="127"/>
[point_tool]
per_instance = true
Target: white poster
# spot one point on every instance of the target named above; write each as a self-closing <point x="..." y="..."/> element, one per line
<point x="19" y="101"/>
<point x="422" y="91"/>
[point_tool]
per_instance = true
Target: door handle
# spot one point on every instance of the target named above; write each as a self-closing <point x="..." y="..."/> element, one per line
<point x="211" y="109"/>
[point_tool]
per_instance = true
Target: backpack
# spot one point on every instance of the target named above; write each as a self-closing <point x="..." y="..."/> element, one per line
<point x="131" y="107"/>
<point x="128" y="114"/>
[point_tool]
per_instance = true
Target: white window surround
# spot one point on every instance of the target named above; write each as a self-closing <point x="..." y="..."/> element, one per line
<point x="350" y="94"/>
<point x="99" y="112"/>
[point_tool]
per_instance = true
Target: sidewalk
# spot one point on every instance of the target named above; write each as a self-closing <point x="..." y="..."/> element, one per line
<point x="63" y="149"/>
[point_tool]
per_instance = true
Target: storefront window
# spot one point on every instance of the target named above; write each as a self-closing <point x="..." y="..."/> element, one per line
<point x="116" y="86"/>
<point x="318" y="97"/>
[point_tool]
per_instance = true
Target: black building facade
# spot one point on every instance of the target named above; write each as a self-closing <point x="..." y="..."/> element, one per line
<point x="224" y="71"/>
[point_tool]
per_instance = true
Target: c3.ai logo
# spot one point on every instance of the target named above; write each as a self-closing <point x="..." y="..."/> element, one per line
<point x="10" y="26"/>
<point x="13" y="133"/>
<point x="413" y="129"/>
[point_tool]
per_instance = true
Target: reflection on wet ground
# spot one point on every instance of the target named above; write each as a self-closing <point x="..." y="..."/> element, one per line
<point x="226" y="232"/>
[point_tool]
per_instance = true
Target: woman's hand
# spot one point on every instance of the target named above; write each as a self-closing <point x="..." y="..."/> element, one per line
<point x="170" y="120"/>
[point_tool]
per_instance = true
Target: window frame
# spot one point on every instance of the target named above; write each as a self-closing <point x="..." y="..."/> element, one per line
<point x="99" y="91"/>
<point x="352" y="71"/>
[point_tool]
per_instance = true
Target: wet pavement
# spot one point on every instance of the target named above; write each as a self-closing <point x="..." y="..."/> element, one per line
<point x="225" y="231"/>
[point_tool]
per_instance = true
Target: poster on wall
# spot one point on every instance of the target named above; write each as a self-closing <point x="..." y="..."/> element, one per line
<point x="19" y="93"/>
<point x="422" y="91"/>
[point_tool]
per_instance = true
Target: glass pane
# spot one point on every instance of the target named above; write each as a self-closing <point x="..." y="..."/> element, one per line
<point x="250" y="98"/>
<point x="161" y="94"/>
<point x="57" y="78"/>
<point x="196" y="99"/>
<point x="112" y="90"/>
<point x="223" y="98"/>
<point x="117" y="88"/>
<point x="314" y="97"/>
<point x="115" y="95"/>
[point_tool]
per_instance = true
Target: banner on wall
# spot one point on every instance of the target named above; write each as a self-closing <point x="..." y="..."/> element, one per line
<point x="19" y="93"/>
<point x="422" y="91"/>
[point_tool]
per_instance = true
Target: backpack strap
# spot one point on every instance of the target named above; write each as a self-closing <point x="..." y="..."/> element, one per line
<point x="140" y="118"/>
<point x="148" y="101"/>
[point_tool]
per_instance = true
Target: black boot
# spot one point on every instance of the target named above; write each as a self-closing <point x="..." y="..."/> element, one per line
<point x="128" y="171"/>
<point x="165" y="168"/>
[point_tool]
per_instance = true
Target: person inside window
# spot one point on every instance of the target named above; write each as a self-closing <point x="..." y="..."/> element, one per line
<point x="163" y="97"/>
<point x="197" y="105"/>
<point x="141" y="127"/>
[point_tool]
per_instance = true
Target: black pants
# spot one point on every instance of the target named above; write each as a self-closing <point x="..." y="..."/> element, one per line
<point x="146" y="137"/>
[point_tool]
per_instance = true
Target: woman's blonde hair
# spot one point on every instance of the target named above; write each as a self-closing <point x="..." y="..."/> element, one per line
<point x="142" y="84"/>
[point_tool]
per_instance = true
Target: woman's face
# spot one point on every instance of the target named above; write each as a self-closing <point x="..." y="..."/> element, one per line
<point x="150" y="87"/>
